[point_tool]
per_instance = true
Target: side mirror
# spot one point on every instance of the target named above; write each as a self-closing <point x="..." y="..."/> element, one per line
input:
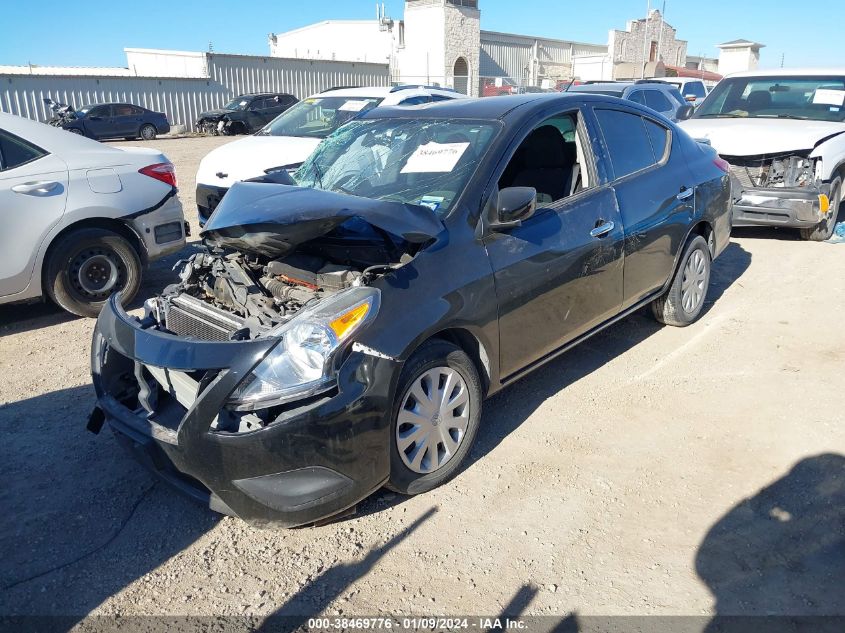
<point x="513" y="205"/>
<point x="684" y="112"/>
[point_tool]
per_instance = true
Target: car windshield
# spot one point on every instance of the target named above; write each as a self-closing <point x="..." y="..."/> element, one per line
<point x="237" y="104"/>
<point x="319" y="116"/>
<point x="85" y="109"/>
<point x="417" y="161"/>
<point x="810" y="98"/>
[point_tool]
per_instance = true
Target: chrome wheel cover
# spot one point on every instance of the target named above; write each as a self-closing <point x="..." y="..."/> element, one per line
<point x="432" y="419"/>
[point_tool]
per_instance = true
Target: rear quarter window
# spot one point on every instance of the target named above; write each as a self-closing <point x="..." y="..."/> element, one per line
<point x="15" y="151"/>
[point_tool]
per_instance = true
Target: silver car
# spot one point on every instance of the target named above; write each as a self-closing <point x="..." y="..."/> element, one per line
<point x="80" y="219"/>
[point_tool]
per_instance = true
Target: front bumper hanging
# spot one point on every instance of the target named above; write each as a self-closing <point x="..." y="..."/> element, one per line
<point x="162" y="394"/>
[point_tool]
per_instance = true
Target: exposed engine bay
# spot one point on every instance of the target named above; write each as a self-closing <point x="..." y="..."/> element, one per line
<point x="273" y="250"/>
<point x="236" y="297"/>
<point x="789" y="170"/>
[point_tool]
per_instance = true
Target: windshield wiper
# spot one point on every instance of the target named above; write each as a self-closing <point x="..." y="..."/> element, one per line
<point x="719" y="116"/>
<point x="792" y="116"/>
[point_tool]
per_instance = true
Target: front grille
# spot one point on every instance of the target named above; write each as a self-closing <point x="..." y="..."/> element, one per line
<point x="187" y="316"/>
<point x="748" y="176"/>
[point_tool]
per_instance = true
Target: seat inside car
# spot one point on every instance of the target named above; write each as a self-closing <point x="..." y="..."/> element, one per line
<point x="544" y="161"/>
<point x="758" y="100"/>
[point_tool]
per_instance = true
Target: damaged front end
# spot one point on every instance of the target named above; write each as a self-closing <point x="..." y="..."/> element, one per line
<point x="241" y="383"/>
<point x="778" y="189"/>
<point x="218" y="124"/>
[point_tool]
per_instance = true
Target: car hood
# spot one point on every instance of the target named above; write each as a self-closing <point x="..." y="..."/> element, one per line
<point x="213" y="114"/>
<point x="750" y="137"/>
<point x="251" y="156"/>
<point x="272" y="220"/>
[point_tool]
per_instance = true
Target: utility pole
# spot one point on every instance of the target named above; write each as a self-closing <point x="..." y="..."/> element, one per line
<point x="782" y="56"/>
<point x="645" y="39"/>
<point x="660" y="35"/>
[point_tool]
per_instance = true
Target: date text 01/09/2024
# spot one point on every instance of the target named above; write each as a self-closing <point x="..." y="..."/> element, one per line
<point x="416" y="623"/>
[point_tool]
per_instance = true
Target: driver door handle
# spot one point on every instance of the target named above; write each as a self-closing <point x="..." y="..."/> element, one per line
<point x="37" y="188"/>
<point x="686" y="192"/>
<point x="602" y="229"/>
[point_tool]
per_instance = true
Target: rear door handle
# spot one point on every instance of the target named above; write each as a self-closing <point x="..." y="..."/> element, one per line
<point x="37" y="188"/>
<point x="602" y="229"/>
<point x="686" y="192"/>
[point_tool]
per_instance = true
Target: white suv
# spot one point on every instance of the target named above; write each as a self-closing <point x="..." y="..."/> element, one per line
<point x="693" y="90"/>
<point x="291" y="137"/>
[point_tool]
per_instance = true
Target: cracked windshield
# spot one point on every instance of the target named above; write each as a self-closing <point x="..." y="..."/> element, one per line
<point x="318" y="117"/>
<point x="424" y="162"/>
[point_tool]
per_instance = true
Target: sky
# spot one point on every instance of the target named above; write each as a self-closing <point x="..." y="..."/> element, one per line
<point x="73" y="34"/>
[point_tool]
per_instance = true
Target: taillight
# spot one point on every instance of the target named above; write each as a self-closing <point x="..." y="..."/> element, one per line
<point x="722" y="164"/>
<point x="161" y="171"/>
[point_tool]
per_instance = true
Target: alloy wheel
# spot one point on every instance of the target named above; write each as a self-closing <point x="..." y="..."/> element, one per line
<point x="432" y="419"/>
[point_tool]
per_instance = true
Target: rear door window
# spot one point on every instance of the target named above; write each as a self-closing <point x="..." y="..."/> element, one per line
<point x="627" y="140"/>
<point x="14" y="151"/>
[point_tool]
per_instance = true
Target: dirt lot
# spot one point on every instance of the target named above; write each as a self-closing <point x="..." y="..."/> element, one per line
<point x="653" y="470"/>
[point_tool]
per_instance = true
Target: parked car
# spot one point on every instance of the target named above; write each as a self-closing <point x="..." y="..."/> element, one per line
<point x="783" y="133"/>
<point x="499" y="86"/>
<point x="656" y="95"/>
<point x="340" y="333"/>
<point x="109" y="120"/>
<point x="80" y="219"/>
<point x="692" y="90"/>
<point x="245" y="114"/>
<point x="290" y="138"/>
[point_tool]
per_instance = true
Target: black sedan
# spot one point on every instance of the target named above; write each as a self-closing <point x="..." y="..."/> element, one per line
<point x="245" y="114"/>
<point x="345" y="323"/>
<point x="113" y="120"/>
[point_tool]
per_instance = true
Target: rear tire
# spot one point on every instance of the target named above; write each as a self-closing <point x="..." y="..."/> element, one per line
<point x="824" y="230"/>
<point x="148" y="132"/>
<point x="682" y="303"/>
<point x="431" y="435"/>
<point x="86" y="266"/>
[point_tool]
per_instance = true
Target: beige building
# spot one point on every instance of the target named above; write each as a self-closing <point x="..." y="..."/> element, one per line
<point x="649" y="39"/>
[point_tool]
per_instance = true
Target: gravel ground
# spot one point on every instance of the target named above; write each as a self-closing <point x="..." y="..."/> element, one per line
<point x="652" y="470"/>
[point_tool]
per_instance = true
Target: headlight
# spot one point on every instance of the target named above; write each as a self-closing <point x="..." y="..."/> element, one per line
<point x="303" y="363"/>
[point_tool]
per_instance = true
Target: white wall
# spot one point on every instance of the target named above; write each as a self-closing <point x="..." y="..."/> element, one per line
<point x="149" y="62"/>
<point x="735" y="60"/>
<point x="423" y="59"/>
<point x="340" y="40"/>
<point x="592" y="67"/>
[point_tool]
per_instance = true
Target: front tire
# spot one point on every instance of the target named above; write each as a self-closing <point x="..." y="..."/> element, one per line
<point x="86" y="266"/>
<point x="824" y="229"/>
<point x="435" y="417"/>
<point x="148" y="132"/>
<point x="682" y="303"/>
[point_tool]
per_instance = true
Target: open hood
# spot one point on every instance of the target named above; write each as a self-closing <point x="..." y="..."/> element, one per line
<point x="272" y="220"/>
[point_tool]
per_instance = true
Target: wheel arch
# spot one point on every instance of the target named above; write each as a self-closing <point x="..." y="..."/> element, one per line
<point x="108" y="224"/>
<point x="472" y="346"/>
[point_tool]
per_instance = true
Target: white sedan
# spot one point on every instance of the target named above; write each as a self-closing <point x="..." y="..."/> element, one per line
<point x="79" y="219"/>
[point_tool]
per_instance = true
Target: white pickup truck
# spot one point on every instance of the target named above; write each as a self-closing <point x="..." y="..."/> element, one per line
<point x="783" y="134"/>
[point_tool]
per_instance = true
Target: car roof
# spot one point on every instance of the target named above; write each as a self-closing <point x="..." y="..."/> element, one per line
<point x="389" y="94"/>
<point x="489" y="108"/>
<point x="793" y="72"/>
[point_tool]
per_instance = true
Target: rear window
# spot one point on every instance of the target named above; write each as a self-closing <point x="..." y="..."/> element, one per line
<point x="14" y="151"/>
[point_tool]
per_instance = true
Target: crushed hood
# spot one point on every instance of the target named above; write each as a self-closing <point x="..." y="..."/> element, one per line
<point x="272" y="220"/>
<point x="751" y="137"/>
<point x="214" y="114"/>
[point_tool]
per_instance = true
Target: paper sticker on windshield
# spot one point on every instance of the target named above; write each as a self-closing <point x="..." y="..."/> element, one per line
<point x="432" y="202"/>
<point x="353" y="105"/>
<point x="827" y="96"/>
<point x="434" y="158"/>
